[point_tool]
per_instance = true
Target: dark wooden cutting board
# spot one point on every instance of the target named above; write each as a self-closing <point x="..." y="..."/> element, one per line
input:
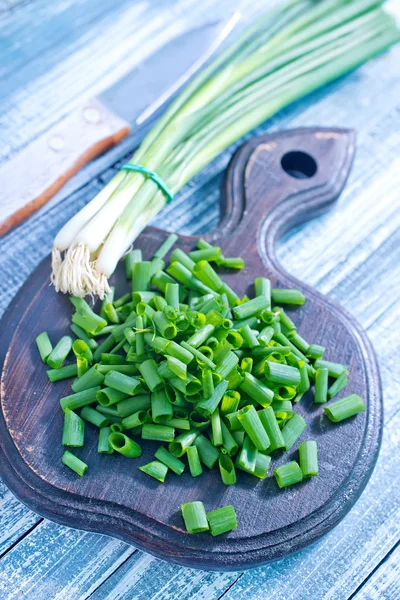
<point x="273" y="183"/>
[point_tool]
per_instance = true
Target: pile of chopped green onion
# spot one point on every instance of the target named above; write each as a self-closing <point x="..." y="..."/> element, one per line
<point x="291" y="51"/>
<point x="182" y="360"/>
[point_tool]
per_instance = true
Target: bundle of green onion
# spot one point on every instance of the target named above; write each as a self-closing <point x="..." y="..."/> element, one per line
<point x="283" y="56"/>
<point x="185" y="362"/>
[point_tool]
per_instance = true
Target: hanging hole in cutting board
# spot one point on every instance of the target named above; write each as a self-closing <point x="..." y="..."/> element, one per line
<point x="298" y="164"/>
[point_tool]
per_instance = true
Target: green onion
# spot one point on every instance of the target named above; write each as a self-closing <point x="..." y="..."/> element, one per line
<point x="93" y="416"/>
<point x="62" y="373"/>
<point x="246" y="460"/>
<point x="251" y="423"/>
<point x="222" y="520"/>
<point x="122" y="383"/>
<point x="194" y="461"/>
<point x="231" y="263"/>
<point x="141" y="275"/>
<point x="73" y="430"/>
<point x="160" y="433"/>
<point x="60" y="352"/>
<point x="315" y="352"/>
<point x="155" y="469"/>
<point x="334" y="369"/>
<point x="344" y="408"/>
<point x="74" y="463"/>
<point x="124" y="445"/>
<point x="321" y="386"/>
<point x="281" y="296"/>
<point x="216" y="430"/>
<point x="104" y="446"/>
<point x="257" y="390"/>
<point x="208" y="454"/>
<point x="335" y="388"/>
<point x="251" y="308"/>
<point x="93" y="377"/>
<point x="308" y="458"/>
<point x="282" y="374"/>
<point x="227" y="470"/>
<point x="80" y="399"/>
<point x="136" y="420"/>
<point x="207" y="406"/>
<point x="148" y="370"/>
<point x="288" y="474"/>
<point x="132" y="405"/>
<point x="173" y="463"/>
<point x="293" y="429"/>
<point x="271" y="426"/>
<point x="228" y="441"/>
<point x="166" y="246"/>
<point x="44" y="346"/>
<point x="195" y="517"/>
<point x="262" y="465"/>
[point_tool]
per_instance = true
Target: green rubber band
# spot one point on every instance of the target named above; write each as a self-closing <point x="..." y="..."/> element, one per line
<point x="151" y="175"/>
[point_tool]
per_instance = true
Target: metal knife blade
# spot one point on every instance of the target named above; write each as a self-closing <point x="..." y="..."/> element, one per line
<point x="40" y="169"/>
<point x="143" y="90"/>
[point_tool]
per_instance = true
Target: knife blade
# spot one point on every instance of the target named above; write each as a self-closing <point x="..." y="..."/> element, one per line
<point x="41" y="168"/>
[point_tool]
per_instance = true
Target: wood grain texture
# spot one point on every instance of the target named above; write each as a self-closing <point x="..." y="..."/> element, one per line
<point x="38" y="171"/>
<point x="328" y="253"/>
<point x="260" y="202"/>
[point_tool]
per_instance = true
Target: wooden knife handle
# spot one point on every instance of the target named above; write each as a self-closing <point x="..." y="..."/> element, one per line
<point x="35" y="174"/>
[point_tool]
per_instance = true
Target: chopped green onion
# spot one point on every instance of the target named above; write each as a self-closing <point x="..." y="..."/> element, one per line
<point x="104" y="446"/>
<point x="293" y="429"/>
<point x="93" y="416"/>
<point x="149" y="372"/>
<point x="44" y="346"/>
<point x="166" y="246"/>
<point x="195" y="517"/>
<point x="155" y="469"/>
<point x="230" y="263"/>
<point x="315" y="352"/>
<point x="227" y="469"/>
<point x="246" y="460"/>
<point x="207" y="452"/>
<point x="344" y="408"/>
<point x="288" y="474"/>
<point x="173" y="463"/>
<point x="321" y="385"/>
<point x="80" y="399"/>
<point x="74" y="463"/>
<point x="335" y="388"/>
<point x="271" y="426"/>
<point x="250" y="421"/>
<point x="308" y="458"/>
<point x="207" y="406"/>
<point x="122" y="383"/>
<point x="194" y="461"/>
<point x="161" y="408"/>
<point x="159" y="433"/>
<point x="281" y="296"/>
<point x="222" y="520"/>
<point x="256" y="390"/>
<point x="282" y="374"/>
<point x="124" y="445"/>
<point x="251" y="308"/>
<point x="132" y="405"/>
<point x="73" y="430"/>
<point x="334" y="369"/>
<point x="60" y="352"/>
<point x="62" y="373"/>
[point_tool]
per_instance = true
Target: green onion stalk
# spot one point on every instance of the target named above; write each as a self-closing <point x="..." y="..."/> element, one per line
<point x="285" y="55"/>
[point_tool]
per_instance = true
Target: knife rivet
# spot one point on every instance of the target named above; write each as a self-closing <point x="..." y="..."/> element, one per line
<point x="56" y="142"/>
<point x="91" y="114"/>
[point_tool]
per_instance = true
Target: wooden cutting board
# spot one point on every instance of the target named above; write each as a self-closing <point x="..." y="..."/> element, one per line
<point x="273" y="183"/>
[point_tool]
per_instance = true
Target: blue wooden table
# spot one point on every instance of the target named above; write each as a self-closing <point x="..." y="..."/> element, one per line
<point x="52" y="55"/>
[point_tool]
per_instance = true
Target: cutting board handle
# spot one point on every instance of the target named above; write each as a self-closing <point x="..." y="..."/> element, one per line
<point x="277" y="181"/>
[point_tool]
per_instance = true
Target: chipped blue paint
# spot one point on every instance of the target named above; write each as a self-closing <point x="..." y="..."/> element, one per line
<point x="352" y="253"/>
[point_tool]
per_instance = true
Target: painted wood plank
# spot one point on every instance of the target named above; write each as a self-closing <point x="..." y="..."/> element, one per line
<point x="143" y="577"/>
<point x="56" y="562"/>
<point x="384" y="584"/>
<point x="15" y="519"/>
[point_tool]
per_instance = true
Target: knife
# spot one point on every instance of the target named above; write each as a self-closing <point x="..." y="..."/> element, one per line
<point x="31" y="177"/>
